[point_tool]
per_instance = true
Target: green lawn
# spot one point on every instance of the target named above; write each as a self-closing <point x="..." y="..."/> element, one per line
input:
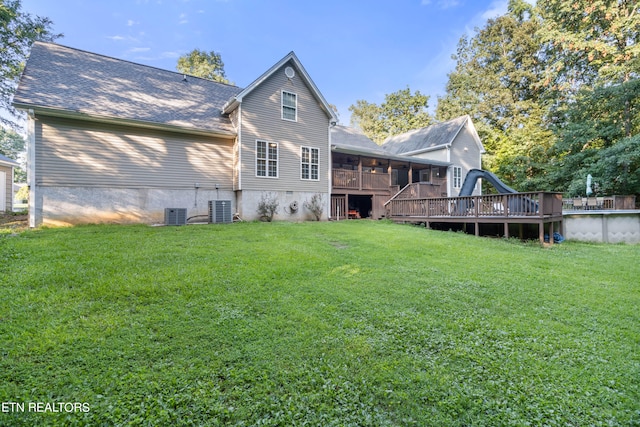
<point x="319" y="324"/>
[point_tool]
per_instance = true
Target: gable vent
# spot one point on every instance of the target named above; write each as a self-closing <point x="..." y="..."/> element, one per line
<point x="289" y="72"/>
<point x="175" y="216"/>
<point x="220" y="211"/>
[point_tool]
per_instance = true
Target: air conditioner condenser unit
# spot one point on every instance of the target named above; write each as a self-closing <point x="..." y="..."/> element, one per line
<point x="175" y="216"/>
<point x="220" y="211"/>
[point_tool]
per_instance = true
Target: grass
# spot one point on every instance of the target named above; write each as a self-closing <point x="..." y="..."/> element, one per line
<point x="323" y="324"/>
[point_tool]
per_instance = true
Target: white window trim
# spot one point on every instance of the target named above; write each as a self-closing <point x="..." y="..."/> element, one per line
<point x="459" y="178"/>
<point x="282" y="106"/>
<point x="310" y="163"/>
<point x="268" y="160"/>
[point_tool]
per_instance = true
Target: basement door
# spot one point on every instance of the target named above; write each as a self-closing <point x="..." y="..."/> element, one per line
<point x="3" y="191"/>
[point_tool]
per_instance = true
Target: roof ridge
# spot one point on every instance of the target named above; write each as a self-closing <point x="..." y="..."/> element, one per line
<point x="132" y="62"/>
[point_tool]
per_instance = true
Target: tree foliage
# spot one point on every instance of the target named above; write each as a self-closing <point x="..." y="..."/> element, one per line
<point x="207" y="65"/>
<point x="400" y="112"/>
<point x="592" y="76"/>
<point x="495" y="82"/>
<point x="554" y="91"/>
<point x="18" y="31"/>
<point x="590" y="41"/>
<point x="12" y="145"/>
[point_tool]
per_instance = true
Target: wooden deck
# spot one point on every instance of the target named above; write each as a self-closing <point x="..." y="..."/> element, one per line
<point x="542" y="208"/>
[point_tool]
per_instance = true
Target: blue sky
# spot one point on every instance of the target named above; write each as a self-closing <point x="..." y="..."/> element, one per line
<point x="352" y="49"/>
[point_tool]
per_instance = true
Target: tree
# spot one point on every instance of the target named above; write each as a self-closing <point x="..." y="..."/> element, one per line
<point x="592" y="75"/>
<point x="593" y="125"/>
<point x="590" y="41"/>
<point x="12" y="145"/>
<point x="495" y="82"/>
<point x="207" y="65"/>
<point x="400" y="112"/>
<point x="18" y="31"/>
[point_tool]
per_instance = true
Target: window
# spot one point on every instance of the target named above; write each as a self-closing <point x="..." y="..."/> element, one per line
<point x="457" y="177"/>
<point x="425" y="175"/>
<point x="267" y="159"/>
<point x="309" y="164"/>
<point x="289" y="106"/>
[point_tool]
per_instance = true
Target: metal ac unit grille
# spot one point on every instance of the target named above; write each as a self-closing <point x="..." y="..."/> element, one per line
<point x="175" y="216"/>
<point x="220" y="211"/>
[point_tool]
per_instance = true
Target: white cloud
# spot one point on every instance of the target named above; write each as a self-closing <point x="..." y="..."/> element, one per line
<point x="131" y="23"/>
<point x="442" y="4"/>
<point x="170" y="54"/>
<point x="116" y="38"/>
<point x="183" y="19"/>
<point x="139" y="49"/>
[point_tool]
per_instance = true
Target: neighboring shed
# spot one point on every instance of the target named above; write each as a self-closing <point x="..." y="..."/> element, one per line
<point x="7" y="167"/>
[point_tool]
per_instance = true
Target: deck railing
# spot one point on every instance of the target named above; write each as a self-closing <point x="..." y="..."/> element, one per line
<point x="517" y="205"/>
<point x="599" y="203"/>
<point x="419" y="190"/>
<point x="351" y="179"/>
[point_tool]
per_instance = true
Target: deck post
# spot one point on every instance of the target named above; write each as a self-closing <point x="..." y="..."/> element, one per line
<point x="506" y="230"/>
<point x="541" y="232"/>
<point x="551" y="232"/>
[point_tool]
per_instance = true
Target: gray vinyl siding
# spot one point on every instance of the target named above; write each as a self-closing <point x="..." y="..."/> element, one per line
<point x="8" y="187"/>
<point x="262" y="120"/>
<point x="438" y="155"/>
<point x="467" y="159"/>
<point x="74" y="153"/>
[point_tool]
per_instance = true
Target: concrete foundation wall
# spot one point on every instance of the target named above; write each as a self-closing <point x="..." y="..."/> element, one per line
<point x="61" y="206"/>
<point x="603" y="226"/>
<point x="248" y="205"/>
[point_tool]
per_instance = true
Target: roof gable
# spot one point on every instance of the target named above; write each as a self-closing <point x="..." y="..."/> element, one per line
<point x="434" y="137"/>
<point x="62" y="79"/>
<point x="236" y="100"/>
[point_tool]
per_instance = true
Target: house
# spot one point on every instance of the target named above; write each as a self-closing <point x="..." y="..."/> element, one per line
<point x="455" y="141"/>
<point x="7" y="166"/>
<point x="114" y="141"/>
<point x="365" y="175"/>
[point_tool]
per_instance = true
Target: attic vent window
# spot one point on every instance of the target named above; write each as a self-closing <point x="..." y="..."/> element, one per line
<point x="289" y="106"/>
<point x="289" y="72"/>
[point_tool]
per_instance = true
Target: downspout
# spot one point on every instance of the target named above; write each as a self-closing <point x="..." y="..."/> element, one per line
<point x="330" y="167"/>
<point x="238" y="191"/>
<point x="34" y="221"/>
<point x="449" y="173"/>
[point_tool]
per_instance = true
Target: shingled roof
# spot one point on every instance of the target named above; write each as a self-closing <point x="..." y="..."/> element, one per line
<point x="427" y="138"/>
<point x="350" y="140"/>
<point x="60" y="79"/>
<point x="353" y="138"/>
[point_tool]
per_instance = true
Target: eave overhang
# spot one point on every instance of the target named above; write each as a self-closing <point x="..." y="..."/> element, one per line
<point x="77" y="115"/>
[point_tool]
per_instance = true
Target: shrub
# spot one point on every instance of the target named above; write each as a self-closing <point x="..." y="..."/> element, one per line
<point x="268" y="206"/>
<point x="23" y="194"/>
<point x="315" y="205"/>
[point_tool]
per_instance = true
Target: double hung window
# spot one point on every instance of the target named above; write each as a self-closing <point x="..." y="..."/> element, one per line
<point x="289" y="106"/>
<point x="309" y="163"/>
<point x="266" y="159"/>
<point x="457" y="177"/>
